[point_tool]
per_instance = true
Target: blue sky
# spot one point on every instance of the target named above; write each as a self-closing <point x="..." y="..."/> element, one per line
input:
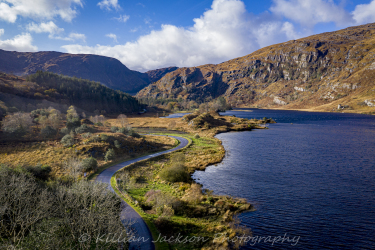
<point x="148" y="34"/>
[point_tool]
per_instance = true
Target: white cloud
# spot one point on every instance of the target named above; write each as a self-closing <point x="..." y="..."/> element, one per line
<point x="364" y="13"/>
<point x="49" y="27"/>
<point x="21" y="43"/>
<point x="113" y="36"/>
<point x="223" y="32"/>
<point x="109" y="4"/>
<point x="38" y="9"/>
<point x="311" y="12"/>
<point x="122" y="18"/>
<point x="77" y="36"/>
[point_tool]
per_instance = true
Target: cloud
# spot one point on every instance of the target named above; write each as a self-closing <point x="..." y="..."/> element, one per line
<point x="77" y="36"/>
<point x="113" y="36"/>
<point x="122" y="18"/>
<point x="109" y="4"/>
<point x="38" y="9"/>
<point x="311" y="12"/>
<point x="364" y="13"/>
<point x="49" y="27"/>
<point x="223" y="32"/>
<point x="21" y="43"/>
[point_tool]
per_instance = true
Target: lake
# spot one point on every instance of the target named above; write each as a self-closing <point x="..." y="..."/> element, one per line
<point x="312" y="181"/>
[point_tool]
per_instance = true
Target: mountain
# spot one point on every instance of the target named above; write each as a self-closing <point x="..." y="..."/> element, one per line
<point x="46" y="89"/>
<point x="108" y="71"/>
<point x="157" y="74"/>
<point x="329" y="71"/>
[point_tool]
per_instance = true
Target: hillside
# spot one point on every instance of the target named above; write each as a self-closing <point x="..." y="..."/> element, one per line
<point x="45" y="89"/>
<point x="319" y="72"/>
<point x="108" y="71"/>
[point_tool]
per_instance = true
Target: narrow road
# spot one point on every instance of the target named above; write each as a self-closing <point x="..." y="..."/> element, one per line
<point x="128" y="215"/>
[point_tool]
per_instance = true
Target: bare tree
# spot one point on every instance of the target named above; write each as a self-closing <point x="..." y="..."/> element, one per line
<point x="90" y="209"/>
<point x="22" y="204"/>
<point x="97" y="119"/>
<point x="17" y="122"/>
<point x="73" y="166"/>
<point x="123" y="120"/>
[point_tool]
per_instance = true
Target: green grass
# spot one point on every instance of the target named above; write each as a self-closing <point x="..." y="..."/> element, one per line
<point x="94" y="175"/>
<point x="146" y="217"/>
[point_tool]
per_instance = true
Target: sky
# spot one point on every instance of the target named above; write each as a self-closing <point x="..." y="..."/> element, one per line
<point x="149" y="34"/>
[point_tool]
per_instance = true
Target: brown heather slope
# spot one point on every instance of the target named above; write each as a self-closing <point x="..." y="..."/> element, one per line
<point x="319" y="72"/>
<point x="108" y="71"/>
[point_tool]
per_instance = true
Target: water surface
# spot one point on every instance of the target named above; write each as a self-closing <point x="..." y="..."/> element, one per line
<point x="313" y="179"/>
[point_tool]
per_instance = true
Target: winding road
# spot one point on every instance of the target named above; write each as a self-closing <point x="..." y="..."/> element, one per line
<point x="129" y="216"/>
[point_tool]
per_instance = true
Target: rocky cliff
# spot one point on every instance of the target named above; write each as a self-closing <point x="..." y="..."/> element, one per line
<point x="319" y="72"/>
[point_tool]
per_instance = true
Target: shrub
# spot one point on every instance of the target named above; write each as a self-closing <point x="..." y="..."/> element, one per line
<point x="73" y="123"/>
<point x="117" y="144"/>
<point x="89" y="164"/>
<point x="41" y="172"/>
<point x="196" y="136"/>
<point x="48" y="131"/>
<point x="164" y="203"/>
<point x="82" y="129"/>
<point x="64" y="131"/>
<point x="110" y="155"/>
<point x="123" y="130"/>
<point x="114" y="129"/>
<point x="134" y="134"/>
<point x="86" y="135"/>
<point x="67" y="140"/>
<point x="99" y="124"/>
<point x="103" y="137"/>
<point x="176" y="173"/>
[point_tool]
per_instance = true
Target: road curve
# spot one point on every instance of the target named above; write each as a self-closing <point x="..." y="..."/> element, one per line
<point x="128" y="215"/>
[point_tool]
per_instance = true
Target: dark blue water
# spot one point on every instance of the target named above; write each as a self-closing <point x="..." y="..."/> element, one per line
<point x="312" y="181"/>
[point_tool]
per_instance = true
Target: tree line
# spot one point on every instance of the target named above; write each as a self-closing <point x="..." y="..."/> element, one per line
<point x="85" y="94"/>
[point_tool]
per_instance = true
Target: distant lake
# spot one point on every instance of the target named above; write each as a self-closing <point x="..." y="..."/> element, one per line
<point x="313" y="179"/>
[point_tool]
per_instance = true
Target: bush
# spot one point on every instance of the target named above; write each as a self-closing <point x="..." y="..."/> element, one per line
<point x="86" y="135"/>
<point x="114" y="129"/>
<point x="176" y="173"/>
<point x="117" y="144"/>
<point x="103" y="137"/>
<point x="196" y="136"/>
<point x="67" y="140"/>
<point x="73" y="123"/>
<point x="82" y="129"/>
<point x="110" y="155"/>
<point x="41" y="172"/>
<point x="48" y="131"/>
<point x="99" y="124"/>
<point x="89" y="164"/>
<point x="64" y="131"/>
<point x="123" y="130"/>
<point x="164" y="203"/>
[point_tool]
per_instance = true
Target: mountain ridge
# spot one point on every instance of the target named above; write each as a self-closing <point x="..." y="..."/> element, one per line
<point x="106" y="70"/>
<point x="319" y="72"/>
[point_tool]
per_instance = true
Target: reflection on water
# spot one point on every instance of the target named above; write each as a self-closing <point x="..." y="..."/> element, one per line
<point x="314" y="179"/>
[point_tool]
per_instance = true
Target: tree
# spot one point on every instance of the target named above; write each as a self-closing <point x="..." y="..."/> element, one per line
<point x="123" y="120"/>
<point x="71" y="113"/>
<point x="22" y="204"/>
<point x="110" y="155"/>
<point x="73" y="166"/>
<point x="89" y="164"/>
<point x="67" y="140"/>
<point x="17" y="123"/>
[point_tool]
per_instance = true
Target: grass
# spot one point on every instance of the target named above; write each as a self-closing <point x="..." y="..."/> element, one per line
<point x="147" y="218"/>
<point x="199" y="153"/>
